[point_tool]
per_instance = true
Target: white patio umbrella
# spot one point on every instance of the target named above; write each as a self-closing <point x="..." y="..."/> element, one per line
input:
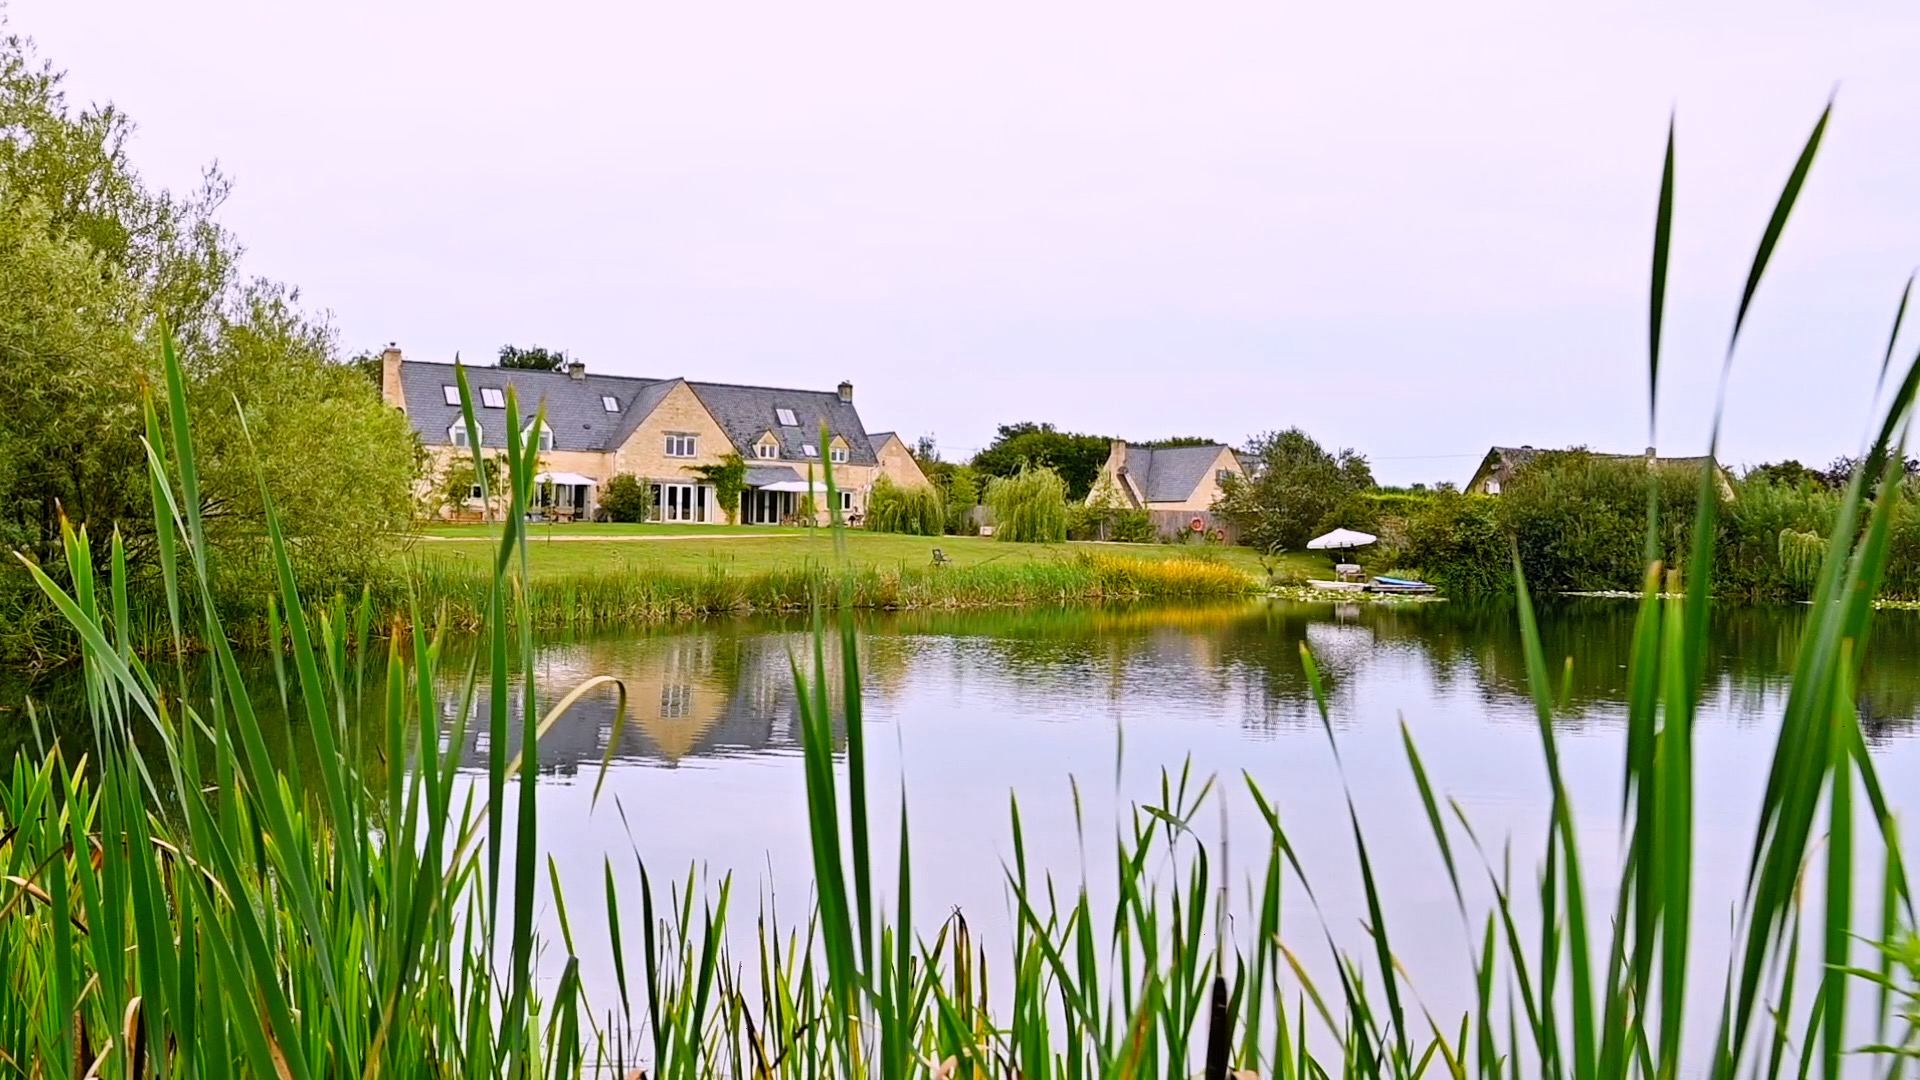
<point x="1341" y="540"/>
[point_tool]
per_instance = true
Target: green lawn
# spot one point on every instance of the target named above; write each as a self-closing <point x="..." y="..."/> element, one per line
<point x="753" y="548"/>
<point x="583" y="528"/>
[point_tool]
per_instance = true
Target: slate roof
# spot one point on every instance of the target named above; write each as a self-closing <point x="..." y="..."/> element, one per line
<point x="762" y="475"/>
<point x="580" y="420"/>
<point x="574" y="411"/>
<point x="1170" y="474"/>
<point x="747" y="412"/>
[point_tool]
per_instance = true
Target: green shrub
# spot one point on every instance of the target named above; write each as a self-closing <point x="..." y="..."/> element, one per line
<point x="1580" y="520"/>
<point x="626" y="499"/>
<point x="1296" y="486"/>
<point x="1113" y="523"/>
<point x="963" y="494"/>
<point x="1029" y="507"/>
<point x="916" y="511"/>
<point x="1458" y="544"/>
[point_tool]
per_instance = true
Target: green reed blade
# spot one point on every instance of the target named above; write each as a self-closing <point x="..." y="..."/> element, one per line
<point x="1657" y="296"/>
<point x="1777" y="223"/>
<point x="1893" y="337"/>
<point x="1839" y="895"/>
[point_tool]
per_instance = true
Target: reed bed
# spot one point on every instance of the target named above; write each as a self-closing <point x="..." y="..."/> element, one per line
<point x="206" y="913"/>
<point x="627" y="595"/>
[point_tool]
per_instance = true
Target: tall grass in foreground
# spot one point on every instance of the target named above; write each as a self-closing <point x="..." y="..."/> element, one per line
<point x="232" y="921"/>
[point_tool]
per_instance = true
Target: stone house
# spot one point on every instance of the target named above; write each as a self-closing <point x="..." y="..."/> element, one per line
<point x="1497" y="468"/>
<point x="658" y="430"/>
<point x="1181" y="479"/>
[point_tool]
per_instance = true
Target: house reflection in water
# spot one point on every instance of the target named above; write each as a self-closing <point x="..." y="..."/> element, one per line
<point x="705" y="695"/>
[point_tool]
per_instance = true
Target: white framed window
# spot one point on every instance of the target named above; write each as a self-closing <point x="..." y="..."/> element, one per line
<point x="786" y="417"/>
<point x="610" y="403"/>
<point x="1493" y="487"/>
<point x="545" y="436"/>
<point x="838" y="455"/>
<point x="475" y="493"/>
<point x="846" y="502"/>
<point x="457" y="434"/>
<point x="493" y="397"/>
<point x="681" y="446"/>
<point x="451" y="394"/>
<point x="675" y="701"/>
<point x="809" y="450"/>
<point x="766" y="451"/>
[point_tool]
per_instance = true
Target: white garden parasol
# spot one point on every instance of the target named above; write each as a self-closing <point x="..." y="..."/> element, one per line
<point x="1341" y="540"/>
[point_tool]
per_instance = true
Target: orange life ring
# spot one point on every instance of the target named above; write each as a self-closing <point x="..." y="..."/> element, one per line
<point x="1198" y="525"/>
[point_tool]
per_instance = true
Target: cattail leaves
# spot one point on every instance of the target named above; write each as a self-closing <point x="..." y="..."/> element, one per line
<point x="208" y="912"/>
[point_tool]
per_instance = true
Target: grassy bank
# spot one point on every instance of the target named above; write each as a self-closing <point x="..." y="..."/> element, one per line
<point x="611" y="575"/>
<point x="624" y="593"/>
<point x="558" y="550"/>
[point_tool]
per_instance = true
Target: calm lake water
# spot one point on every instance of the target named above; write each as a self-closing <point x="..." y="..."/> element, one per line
<point x="966" y="709"/>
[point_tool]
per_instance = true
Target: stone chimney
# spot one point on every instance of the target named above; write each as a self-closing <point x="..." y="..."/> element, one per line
<point x="846" y="391"/>
<point x="390" y="389"/>
<point x="577" y="370"/>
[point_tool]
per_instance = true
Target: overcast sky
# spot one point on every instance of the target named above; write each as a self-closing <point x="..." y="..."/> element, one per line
<point x="1416" y="230"/>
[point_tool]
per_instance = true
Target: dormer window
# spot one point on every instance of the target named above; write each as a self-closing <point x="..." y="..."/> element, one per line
<point x="766" y="451"/>
<point x="451" y="394"/>
<point x="545" y="436"/>
<point x="457" y="435"/>
<point x="838" y="455"/>
<point x="786" y="418"/>
<point x="493" y="397"/>
<point x="610" y="403"/>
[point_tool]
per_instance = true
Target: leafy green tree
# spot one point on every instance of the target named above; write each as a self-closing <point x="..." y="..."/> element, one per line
<point x="338" y="462"/>
<point x="962" y="495"/>
<point x="1029" y="507"/>
<point x="1075" y="458"/>
<point x="916" y="511"/>
<point x="1293" y="486"/>
<point x="92" y="263"/>
<point x="532" y="358"/>
<point x="454" y="486"/>
<point x="1789" y="472"/>
<point x="1839" y="472"/>
<point x="626" y="499"/>
<point x="1174" y="443"/>
<point x="729" y="478"/>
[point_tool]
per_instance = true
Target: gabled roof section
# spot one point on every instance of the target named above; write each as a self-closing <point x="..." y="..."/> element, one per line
<point x="644" y="402"/>
<point x="1170" y="474"/>
<point x="580" y="421"/>
<point x="745" y="413"/>
<point x="1502" y="462"/>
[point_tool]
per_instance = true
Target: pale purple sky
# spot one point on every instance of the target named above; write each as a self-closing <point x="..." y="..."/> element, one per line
<point x="1412" y="229"/>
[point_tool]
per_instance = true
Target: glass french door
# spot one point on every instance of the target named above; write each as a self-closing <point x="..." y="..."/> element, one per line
<point x="681" y="502"/>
